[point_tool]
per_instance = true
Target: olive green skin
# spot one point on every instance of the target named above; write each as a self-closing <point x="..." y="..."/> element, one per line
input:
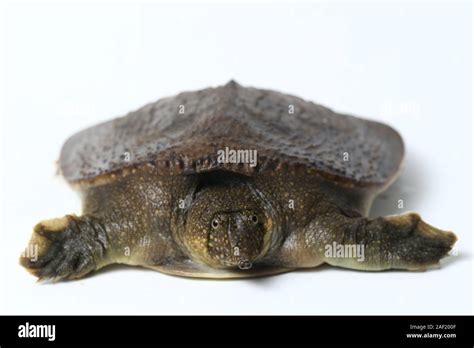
<point x="159" y="212"/>
<point x="139" y="220"/>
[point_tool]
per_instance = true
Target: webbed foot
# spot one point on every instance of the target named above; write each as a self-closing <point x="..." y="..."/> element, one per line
<point x="65" y="248"/>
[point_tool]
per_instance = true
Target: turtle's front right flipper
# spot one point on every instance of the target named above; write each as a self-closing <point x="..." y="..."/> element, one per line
<point x="66" y="248"/>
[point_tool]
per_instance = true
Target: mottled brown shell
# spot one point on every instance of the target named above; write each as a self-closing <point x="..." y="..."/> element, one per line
<point x="182" y="134"/>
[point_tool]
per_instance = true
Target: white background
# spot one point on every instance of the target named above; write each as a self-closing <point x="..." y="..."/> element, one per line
<point x="69" y="66"/>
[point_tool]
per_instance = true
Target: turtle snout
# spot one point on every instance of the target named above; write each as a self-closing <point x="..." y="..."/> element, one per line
<point x="245" y="235"/>
<point x="245" y="264"/>
<point x="236" y="239"/>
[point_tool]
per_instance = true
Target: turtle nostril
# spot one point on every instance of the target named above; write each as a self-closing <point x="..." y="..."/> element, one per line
<point x="245" y="264"/>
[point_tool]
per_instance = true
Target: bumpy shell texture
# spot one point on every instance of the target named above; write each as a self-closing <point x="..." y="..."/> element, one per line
<point x="183" y="134"/>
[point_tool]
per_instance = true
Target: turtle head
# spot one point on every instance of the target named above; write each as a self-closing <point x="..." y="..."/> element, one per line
<point x="227" y="226"/>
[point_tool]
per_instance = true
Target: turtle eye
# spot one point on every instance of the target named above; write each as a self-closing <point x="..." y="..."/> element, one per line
<point x="254" y="219"/>
<point x="215" y="223"/>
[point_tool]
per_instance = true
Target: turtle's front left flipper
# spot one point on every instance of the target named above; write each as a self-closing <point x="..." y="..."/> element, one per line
<point x="392" y="242"/>
<point x="66" y="248"/>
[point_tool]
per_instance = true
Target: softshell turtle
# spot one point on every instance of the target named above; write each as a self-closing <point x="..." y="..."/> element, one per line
<point x="232" y="182"/>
